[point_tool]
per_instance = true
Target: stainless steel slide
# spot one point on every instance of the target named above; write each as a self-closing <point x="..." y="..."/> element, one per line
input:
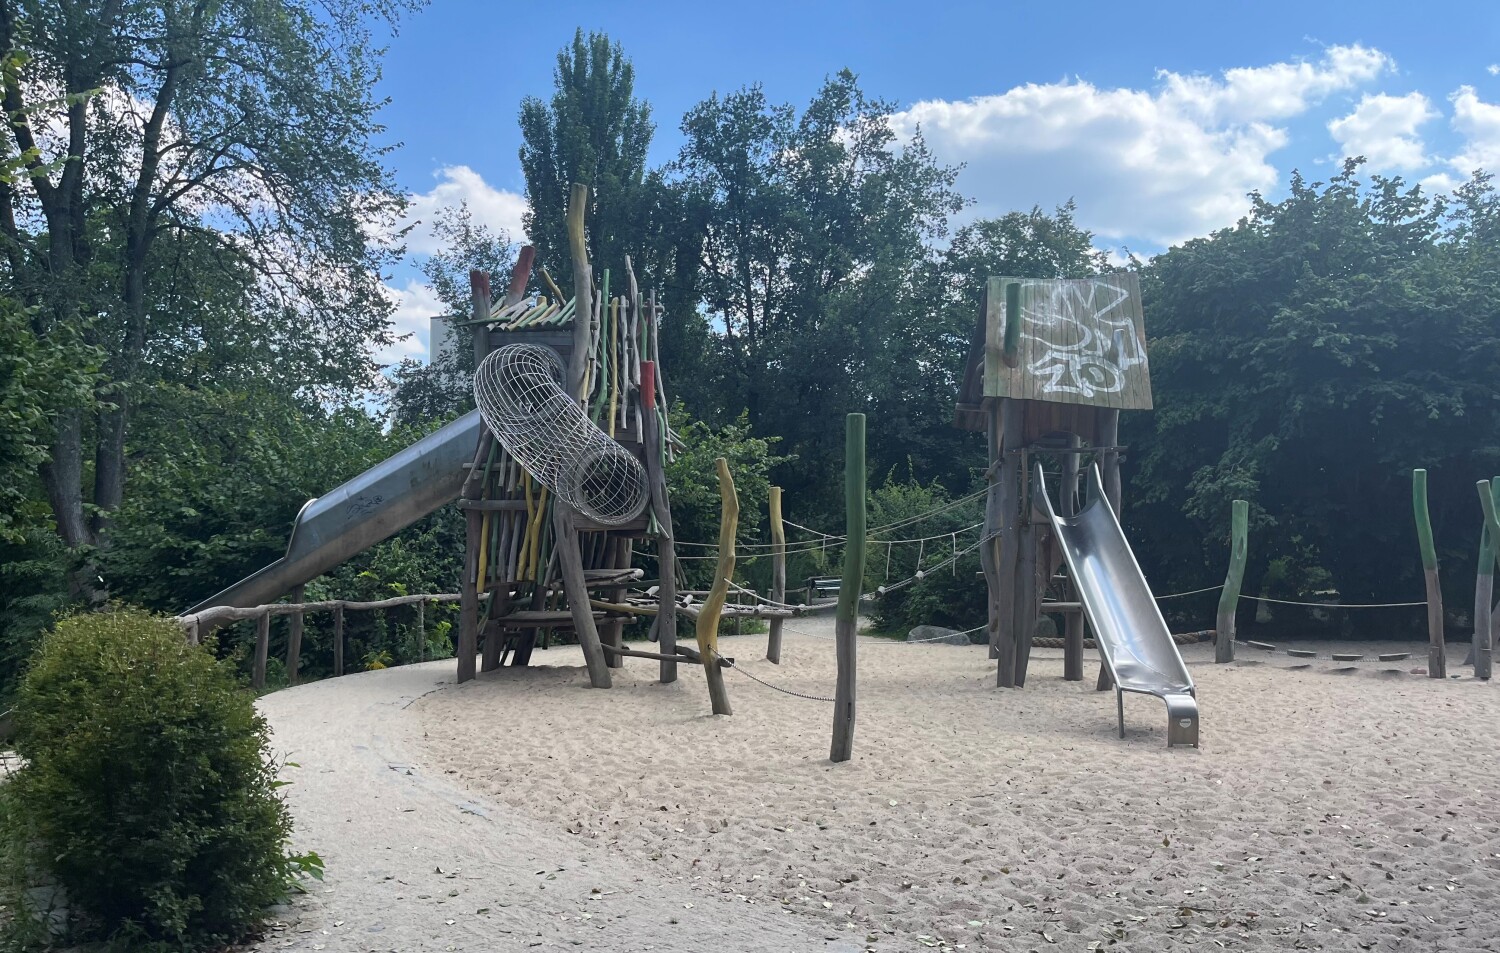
<point x="1132" y="636"/>
<point x="356" y="515"/>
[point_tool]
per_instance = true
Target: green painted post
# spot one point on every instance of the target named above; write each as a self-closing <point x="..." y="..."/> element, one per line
<point x="1011" y="353"/>
<point x="1229" y="599"/>
<point x="847" y="614"/>
<point x="1437" y="657"/>
<point x="1484" y="582"/>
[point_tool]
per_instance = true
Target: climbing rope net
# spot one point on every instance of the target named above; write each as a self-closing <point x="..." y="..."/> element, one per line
<point x="520" y="395"/>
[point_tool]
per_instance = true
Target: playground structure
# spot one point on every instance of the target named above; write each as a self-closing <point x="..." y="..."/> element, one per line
<point x="1052" y="362"/>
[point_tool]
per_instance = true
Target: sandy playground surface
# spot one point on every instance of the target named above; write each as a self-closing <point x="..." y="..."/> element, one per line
<point x="1330" y="807"/>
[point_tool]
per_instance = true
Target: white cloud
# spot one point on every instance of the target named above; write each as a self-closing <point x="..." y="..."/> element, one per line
<point x="415" y="304"/>
<point x="1156" y="165"/>
<point x="1383" y="129"/>
<point x="499" y="209"/>
<point x="1479" y="123"/>
<point x="1493" y="69"/>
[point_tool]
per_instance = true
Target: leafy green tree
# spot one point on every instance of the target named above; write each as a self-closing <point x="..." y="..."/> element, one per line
<point x="241" y="132"/>
<point x="593" y="131"/>
<point x="1307" y="360"/>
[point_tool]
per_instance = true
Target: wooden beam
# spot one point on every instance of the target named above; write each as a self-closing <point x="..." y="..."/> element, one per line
<point x="1073" y="622"/>
<point x="1229" y="598"/>
<point x="570" y="564"/>
<point x="847" y="618"/>
<point x="1437" y="653"/>
<point x="707" y="628"/>
<point x="778" y="574"/>
<point x="583" y="289"/>
<point x="294" y="638"/>
<point x="468" y="607"/>
<point x="262" y="650"/>
<point x="666" y="549"/>
<point x="1484" y="580"/>
<point x="1004" y="635"/>
<point x="338" y="640"/>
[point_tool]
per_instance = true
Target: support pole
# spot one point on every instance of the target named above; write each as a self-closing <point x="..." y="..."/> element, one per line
<point x="778" y="574"/>
<point x="1229" y="598"/>
<point x="666" y="546"/>
<point x="570" y="562"/>
<point x="1109" y="436"/>
<point x="421" y="631"/>
<point x="708" y="617"/>
<point x="845" y="626"/>
<point x="583" y="290"/>
<point x="1003" y="630"/>
<point x="1484" y="582"/>
<point x="468" y="591"/>
<point x="989" y="547"/>
<point x="294" y="637"/>
<point x="338" y="640"/>
<point x="1437" y="656"/>
<point x="1073" y="621"/>
<point x="262" y="649"/>
<point x="1028" y="595"/>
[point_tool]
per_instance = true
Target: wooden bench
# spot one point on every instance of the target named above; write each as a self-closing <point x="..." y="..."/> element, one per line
<point x="822" y="588"/>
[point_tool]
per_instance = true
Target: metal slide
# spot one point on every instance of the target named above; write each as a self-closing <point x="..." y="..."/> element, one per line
<point x="356" y="515"/>
<point x="1128" y="627"/>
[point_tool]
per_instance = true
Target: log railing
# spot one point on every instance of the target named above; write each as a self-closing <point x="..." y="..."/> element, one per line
<point x="195" y="625"/>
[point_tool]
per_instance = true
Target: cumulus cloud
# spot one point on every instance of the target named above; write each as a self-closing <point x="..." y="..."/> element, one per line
<point x="415" y="304"/>
<point x="1383" y="129"/>
<point x="1157" y="165"/>
<point x="499" y="209"/>
<point x="1479" y="123"/>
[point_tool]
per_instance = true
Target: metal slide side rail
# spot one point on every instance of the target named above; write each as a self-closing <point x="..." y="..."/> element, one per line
<point x="352" y="517"/>
<point x="1133" y="638"/>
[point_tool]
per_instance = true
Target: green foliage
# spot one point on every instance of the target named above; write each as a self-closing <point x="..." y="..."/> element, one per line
<point x="148" y="795"/>
<point x="1307" y="360"/>
<point x="33" y="590"/>
<point x="694" y="486"/>
<point x="592" y="131"/>
<point x="947" y="594"/>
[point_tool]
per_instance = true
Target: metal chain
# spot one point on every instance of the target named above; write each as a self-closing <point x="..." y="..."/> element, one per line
<point x="778" y="688"/>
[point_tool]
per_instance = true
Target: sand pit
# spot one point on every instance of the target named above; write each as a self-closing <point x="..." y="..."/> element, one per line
<point x="1330" y="807"/>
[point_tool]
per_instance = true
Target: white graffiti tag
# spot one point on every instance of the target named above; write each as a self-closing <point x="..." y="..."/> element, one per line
<point x="1086" y="339"/>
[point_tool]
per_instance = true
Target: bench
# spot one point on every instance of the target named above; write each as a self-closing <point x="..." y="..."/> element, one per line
<point x="822" y="588"/>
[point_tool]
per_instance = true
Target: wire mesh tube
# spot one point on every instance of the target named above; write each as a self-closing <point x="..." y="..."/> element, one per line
<point x="520" y="395"/>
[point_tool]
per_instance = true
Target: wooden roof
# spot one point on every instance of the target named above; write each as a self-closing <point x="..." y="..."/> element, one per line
<point x="1082" y="341"/>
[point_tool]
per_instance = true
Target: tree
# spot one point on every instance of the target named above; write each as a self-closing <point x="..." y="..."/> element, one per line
<point x="593" y="131"/>
<point x="814" y="227"/>
<point x="1307" y="360"/>
<point x="238" y="132"/>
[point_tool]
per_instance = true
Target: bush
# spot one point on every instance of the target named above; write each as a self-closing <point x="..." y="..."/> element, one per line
<point x="147" y="798"/>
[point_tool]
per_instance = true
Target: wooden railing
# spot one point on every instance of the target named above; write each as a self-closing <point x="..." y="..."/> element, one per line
<point x="199" y="623"/>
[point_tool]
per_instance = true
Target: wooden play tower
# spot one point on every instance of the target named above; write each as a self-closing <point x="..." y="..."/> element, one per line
<point x="1052" y="362"/>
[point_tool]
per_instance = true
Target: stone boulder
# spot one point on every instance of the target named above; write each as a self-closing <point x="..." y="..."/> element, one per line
<point x="937" y="635"/>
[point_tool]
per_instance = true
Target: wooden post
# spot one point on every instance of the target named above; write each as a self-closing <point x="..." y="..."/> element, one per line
<point x="989" y="546"/>
<point x="583" y="290"/>
<point x="666" y="551"/>
<point x="468" y="606"/>
<point x="570" y="562"/>
<point x="421" y="630"/>
<point x="617" y="556"/>
<point x="1011" y="344"/>
<point x="262" y="649"/>
<point x="1011" y="437"/>
<point x="778" y="574"/>
<point x="707" y="628"/>
<point x="1484" y="582"/>
<point x="294" y="637"/>
<point x="1028" y="600"/>
<point x="338" y="640"/>
<point x="1437" y="656"/>
<point x="1109" y="466"/>
<point x="479" y="301"/>
<point x="1072" y="621"/>
<point x="850" y="588"/>
<point x="1229" y="598"/>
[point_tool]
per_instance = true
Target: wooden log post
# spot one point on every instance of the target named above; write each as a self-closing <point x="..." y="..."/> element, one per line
<point x="421" y="632"/>
<point x="1011" y="438"/>
<point x="707" y="628"/>
<point x="262" y="649"/>
<point x="294" y="637"/>
<point x="575" y="586"/>
<point x="1109" y="472"/>
<point x="583" y="290"/>
<point x="1028" y="601"/>
<point x="778" y="574"/>
<point x="1229" y="598"/>
<point x="338" y="640"/>
<point x="618" y="555"/>
<point x="1484" y="580"/>
<point x="666" y="549"/>
<point x="468" y="607"/>
<point x="1072" y="621"/>
<point x="989" y="546"/>
<point x="1437" y="655"/>
<point x="851" y="587"/>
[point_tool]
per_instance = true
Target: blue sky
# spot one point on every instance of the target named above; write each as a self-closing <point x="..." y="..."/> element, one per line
<point x="1157" y="118"/>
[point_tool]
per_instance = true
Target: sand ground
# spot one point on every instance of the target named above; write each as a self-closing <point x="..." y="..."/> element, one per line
<point x="1330" y="807"/>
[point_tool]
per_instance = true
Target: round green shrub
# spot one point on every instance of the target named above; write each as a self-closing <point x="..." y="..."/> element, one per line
<point x="148" y="791"/>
